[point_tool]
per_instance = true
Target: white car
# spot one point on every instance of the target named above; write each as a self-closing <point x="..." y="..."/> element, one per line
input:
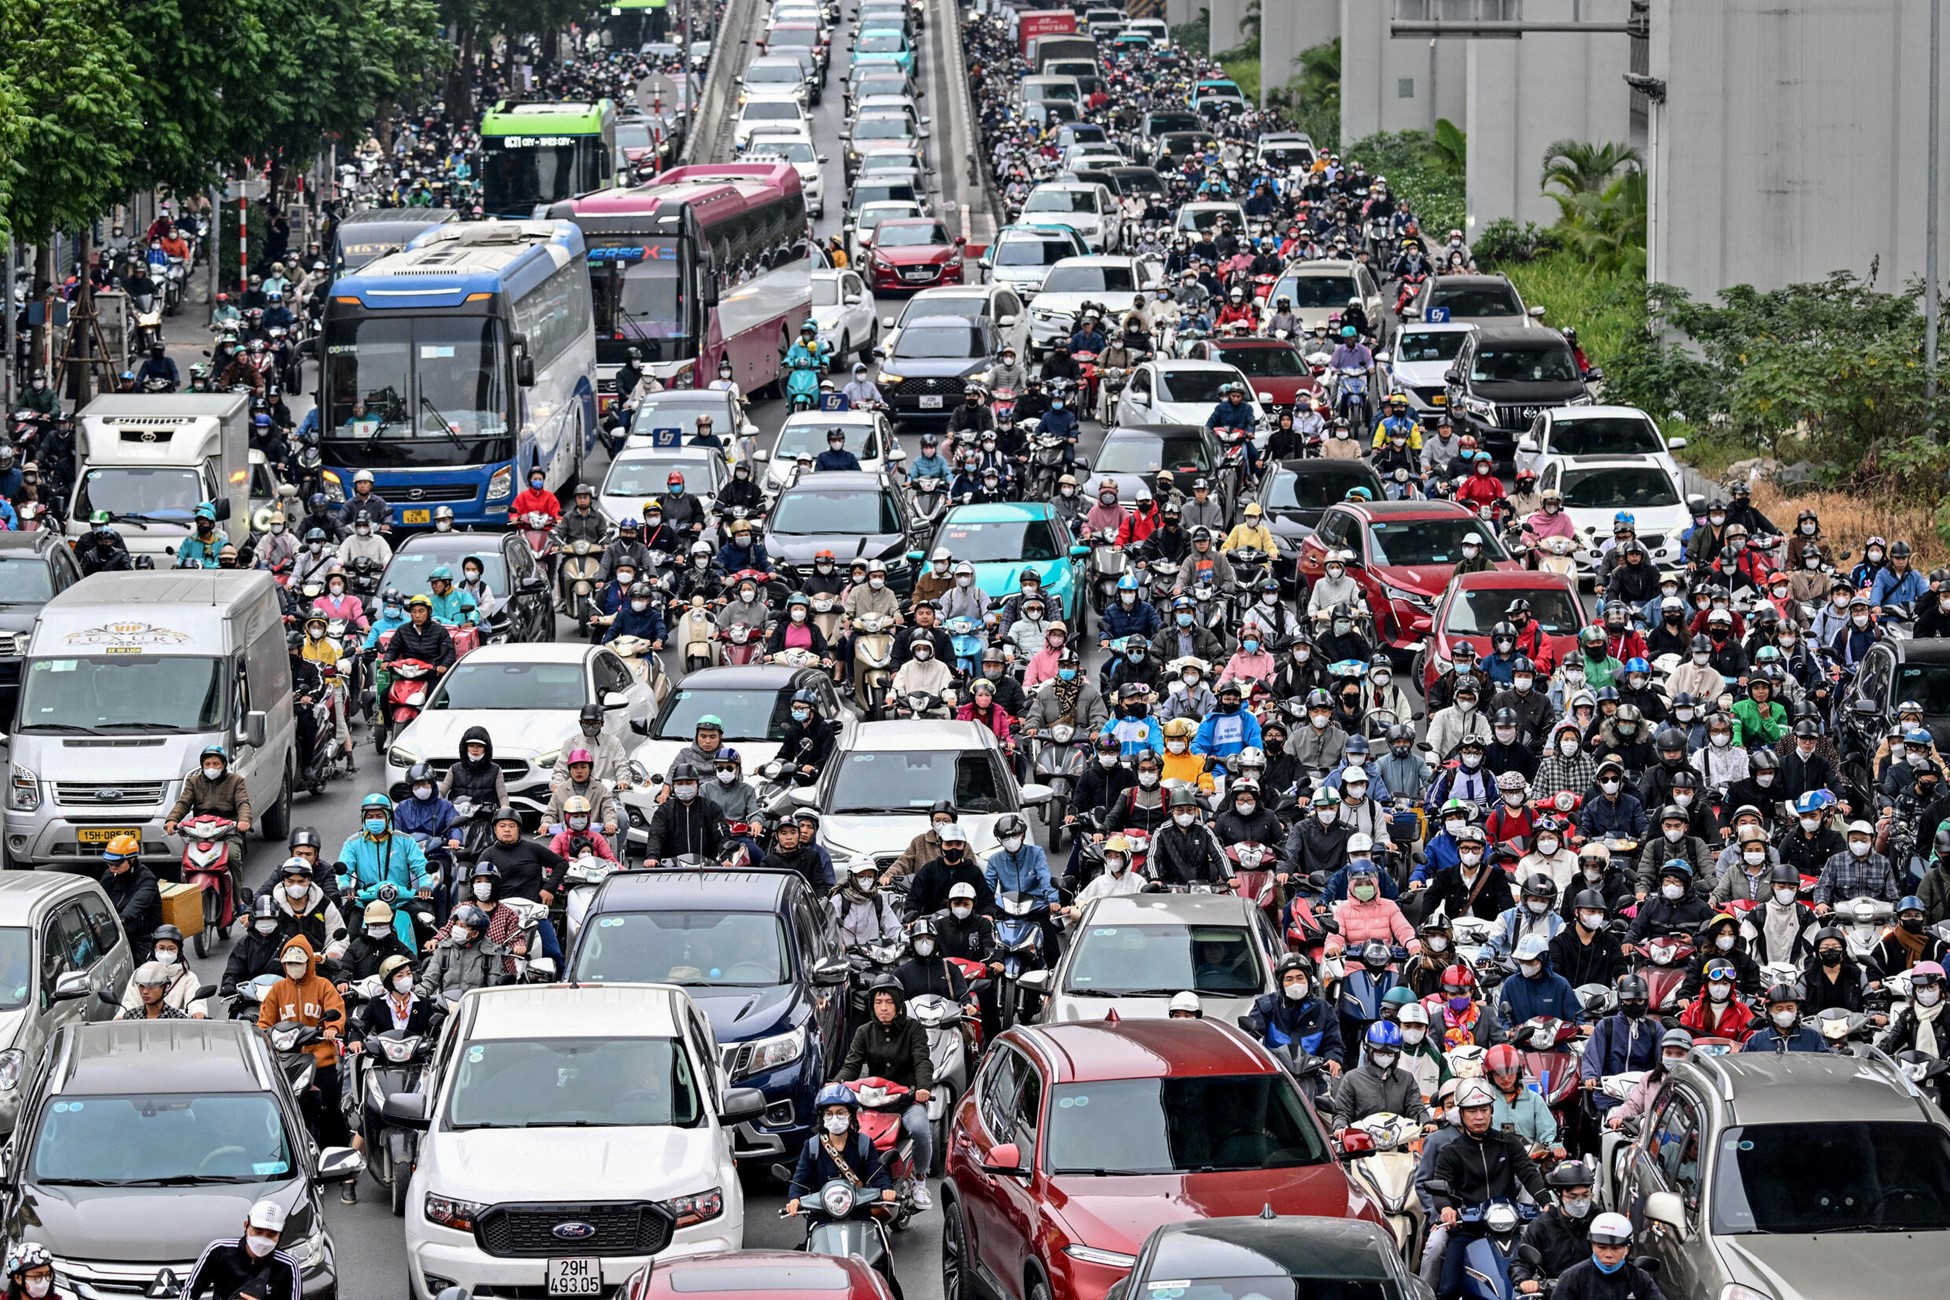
<point x="1021" y="256"/>
<point x="526" y="696"/>
<point x="1195" y="219"/>
<point x="871" y="215"/>
<point x="1575" y="432"/>
<point x="756" y="114"/>
<point x="869" y="436"/>
<point x="1597" y="489"/>
<point x="801" y="153"/>
<point x="1179" y="392"/>
<point x="554" y="1116"/>
<point x="1106" y="281"/>
<point x="774" y="76"/>
<point x="1321" y="289"/>
<point x="640" y="472"/>
<point x="1084" y="206"/>
<point x="751" y="703"/>
<point x="846" y="313"/>
<point x="1422" y="354"/>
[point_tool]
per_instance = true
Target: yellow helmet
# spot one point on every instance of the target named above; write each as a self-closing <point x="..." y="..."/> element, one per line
<point x="123" y="846"/>
<point x="1118" y="844"/>
<point x="1180" y="727"/>
<point x="575" y="803"/>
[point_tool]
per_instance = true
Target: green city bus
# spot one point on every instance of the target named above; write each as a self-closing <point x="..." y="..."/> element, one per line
<point x="538" y="153"/>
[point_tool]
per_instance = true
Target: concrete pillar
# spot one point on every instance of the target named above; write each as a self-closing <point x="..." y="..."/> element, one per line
<point x="1228" y="32"/>
<point x="1293" y="26"/>
<point x="1389" y="84"/>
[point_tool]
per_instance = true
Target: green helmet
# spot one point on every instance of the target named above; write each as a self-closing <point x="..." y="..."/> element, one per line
<point x="376" y="801"/>
<point x="101" y="519"/>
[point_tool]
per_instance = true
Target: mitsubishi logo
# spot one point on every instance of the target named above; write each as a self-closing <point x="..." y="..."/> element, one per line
<point x="165" y="1285"/>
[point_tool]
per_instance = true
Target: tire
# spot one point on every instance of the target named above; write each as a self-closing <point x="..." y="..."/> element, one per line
<point x="1038" y="1290"/>
<point x="402" y="1178"/>
<point x="200" y="941"/>
<point x="846" y="346"/>
<point x="276" y="823"/>
<point x="939" y="1166"/>
<point x="873" y="342"/>
<point x="954" y="1252"/>
<point x="213" y="916"/>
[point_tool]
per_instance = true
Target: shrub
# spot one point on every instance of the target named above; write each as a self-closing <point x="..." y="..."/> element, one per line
<point x="1419" y="170"/>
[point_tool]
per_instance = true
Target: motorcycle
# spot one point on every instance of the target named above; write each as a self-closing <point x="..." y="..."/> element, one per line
<point x="392" y="1062"/>
<point x="1108" y="563"/>
<point x="941" y="1019"/>
<point x="1381" y="1153"/>
<point x="581" y="560"/>
<point x="1058" y="758"/>
<point x="965" y="635"/>
<point x="637" y="656"/>
<point x="1045" y="467"/>
<point x="1490" y="1235"/>
<point x="1351" y="398"/>
<point x="930" y="499"/>
<point x="538" y="535"/>
<point x="1019" y="941"/>
<point x="744" y="643"/>
<point x="873" y="662"/>
<point x="697" y="635"/>
<point x="826" y="616"/>
<point x="531" y="967"/>
<point x="836" y="1226"/>
<point x="1368" y="979"/>
<point x="882" y="1104"/>
<point x="1549" y="1050"/>
<point x="250" y="995"/>
<point x="206" y="864"/>
<point x="1254" y="878"/>
<point x="407" y="695"/>
<point x="1665" y="971"/>
<point x="802" y="384"/>
<point x="585" y="876"/>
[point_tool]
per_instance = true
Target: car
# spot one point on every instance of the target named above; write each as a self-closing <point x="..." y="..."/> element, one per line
<point x="1295" y="493"/>
<point x="875" y="792"/>
<point x="1142" y="181"/>
<point x="1160" y="122"/>
<point x="757" y="953"/>
<point x="1129" y="955"/>
<point x="1490" y="301"/>
<point x="1598" y="488"/>
<point x="527" y="697"/>
<point x="884" y="180"/>
<point x="1006" y="539"/>
<point x="1132" y="454"/>
<point x="881" y="131"/>
<point x="777" y="75"/>
<point x="887" y="76"/>
<point x="852" y="514"/>
<point x="638" y="141"/>
<point x="1210" y="98"/>
<point x="1320" y="290"/>
<point x="1100" y="280"/>
<point x="34" y="567"/>
<point x="884" y="45"/>
<point x="1074" y="133"/>
<point x="995" y="305"/>
<point x="869" y="436"/>
<point x="1504" y="377"/>
<point x="60" y="942"/>
<point x="1044" y="88"/>
<point x="1174" y="147"/>
<point x="640" y="472"/>
<point x="1089" y="78"/>
<point x="1279" y="377"/>
<point x="1288" y="152"/>
<point x="754" y="113"/>
<point x="1154" y="28"/>
<point x="1475" y="603"/>
<point x="1894" y="671"/>
<point x="1419" y="355"/>
<point x="178" y="1126"/>
<point x="1021" y="257"/>
<point x="876" y="17"/>
<point x="519" y="606"/>
<point x="1179" y="392"/>
<point x="767" y="145"/>
<point x="1078" y="1140"/>
<point x="1204" y="215"/>
<point x="927" y="367"/>
<point x="534" y="1088"/>
<point x="1215" y="1259"/>
<point x="678" y="408"/>
<point x="909" y="253"/>
<point x="869" y="213"/>
<point x="780" y="37"/>
<point x="846" y="313"/>
<point x="752" y="701"/>
<point x="1090" y="210"/>
<point x="1404" y="553"/>
<point x="869" y="105"/>
<point x="1720" y="1178"/>
<point x="778" y="1274"/>
<point x="1569" y="432"/>
<point x="1091" y="154"/>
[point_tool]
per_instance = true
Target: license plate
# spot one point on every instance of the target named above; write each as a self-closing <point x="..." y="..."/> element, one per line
<point x="582" y="1275"/>
<point x="931" y="403"/>
<point x="416" y="516"/>
<point x="102" y="834"/>
<point x="918" y="275"/>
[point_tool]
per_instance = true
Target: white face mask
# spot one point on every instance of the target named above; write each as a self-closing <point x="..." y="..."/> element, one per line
<point x="1720" y="739"/>
<point x="962" y="911"/>
<point x="1674" y="834"/>
<point x="459" y="934"/>
<point x="1471" y="859"/>
<point x="1784" y="1019"/>
<point x="1719" y="992"/>
<point x="1184" y="818"/>
<point x="1609" y="787"/>
<point x="1672" y="893"/>
<point x="1327" y="816"/>
<point x="1568" y="748"/>
<point x="686" y="791"/>
<point x="924" y="947"/>
<point x="1436" y="943"/>
<point x="1148" y="779"/>
<point x="1530" y="969"/>
<point x="837" y="1124"/>
<point x="1928" y="997"/>
<point x="423" y="792"/>
<point x="1683" y="798"/>
<point x="403" y="984"/>
<point x="1785" y="894"/>
<point x="1413" y="1034"/>
<point x="1591" y="920"/>
<point x="213" y="774"/>
<point x="1115" y="863"/>
<point x="1753" y="857"/>
<point x="378" y="931"/>
<point x="1296" y="991"/>
<point x="265" y="927"/>
<point x="484" y="889"/>
<point x="1012" y="843"/>
<point x="258" y="1246"/>
<point x="169" y="958"/>
<point x="1546" y="847"/>
<point x="294" y="970"/>
<point x="1860" y="848"/>
<point x="1724" y="942"/>
<point x="1175" y="746"/>
<point x="298" y="890"/>
<point x="1106" y="761"/>
<point x="1454" y="827"/>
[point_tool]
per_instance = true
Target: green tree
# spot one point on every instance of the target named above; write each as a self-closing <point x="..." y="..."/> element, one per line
<point x="205" y="87"/>
<point x="1451" y="145"/>
<point x="67" y="127"/>
<point x="1577" y="167"/>
<point x="1313" y="96"/>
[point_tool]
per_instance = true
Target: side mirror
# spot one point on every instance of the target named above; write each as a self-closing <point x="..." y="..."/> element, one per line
<point x="1037" y="981"/>
<point x="1451" y="376"/>
<point x="613" y="700"/>
<point x="1037" y="794"/>
<point x="1667" y="1208"/>
<point x="1003" y="1159"/>
<point x="524" y="370"/>
<point x="886" y="322"/>
<point x="412" y="1109"/>
<point x="1079" y="552"/>
<point x="741" y="1104"/>
<point x="532" y="586"/>
<point x="255" y="728"/>
<point x="107" y="998"/>
<point x="1536" y="313"/>
<point x="1528" y="445"/>
<point x="833" y="970"/>
<point x="340" y="1165"/>
<point x="223" y="509"/>
<point x="805" y="796"/>
<point x="67" y="988"/>
<point x="308" y="348"/>
<point x="1004" y="322"/>
<point x="897" y="453"/>
<point x="761" y="455"/>
<point x="1675" y="444"/>
<point x="641" y="726"/>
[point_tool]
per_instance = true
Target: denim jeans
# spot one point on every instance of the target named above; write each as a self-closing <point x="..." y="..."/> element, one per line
<point x="918" y="1127"/>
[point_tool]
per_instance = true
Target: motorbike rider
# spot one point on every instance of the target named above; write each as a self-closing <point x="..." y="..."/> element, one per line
<point x="103" y="550"/>
<point x="157" y="366"/>
<point x="1535" y="989"/>
<point x="1608" y="1274"/>
<point x="215" y="789"/>
<point x="1626" y="1040"/>
<point x="376" y="943"/>
<point x="1558" y="1234"/>
<point x="464" y="957"/>
<point x="1785" y="1030"/>
<point x="1485" y="1163"/>
<point x="251" y="1267"/>
<point x="1379" y="1084"/>
<point x="421" y="637"/>
<point x="841" y="1151"/>
<point x="684" y="824"/>
<point x="169" y="979"/>
<point x="1297" y="1014"/>
<point x="203" y="548"/>
<point x="1186" y="852"/>
<point x="256" y="951"/>
<point x="893" y="1046"/>
<point x="308" y="998"/>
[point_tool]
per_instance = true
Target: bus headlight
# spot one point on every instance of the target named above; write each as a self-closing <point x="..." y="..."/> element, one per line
<point x="334" y="488"/>
<point x="502" y="485"/>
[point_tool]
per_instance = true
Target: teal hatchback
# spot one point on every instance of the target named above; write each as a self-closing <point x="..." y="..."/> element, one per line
<point x="883" y="45"/>
<point x="1004" y="538"/>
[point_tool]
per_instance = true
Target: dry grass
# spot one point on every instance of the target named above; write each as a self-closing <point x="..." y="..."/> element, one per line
<point x="1848" y="520"/>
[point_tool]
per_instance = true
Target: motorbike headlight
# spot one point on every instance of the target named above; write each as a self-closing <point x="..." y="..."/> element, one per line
<point x="838" y="1199"/>
<point x="334" y="488"/>
<point x="771" y="1053"/>
<point x="451" y="1212"/>
<point x="502" y="485"/>
<point x="401" y="756"/>
<point x="23" y="791"/>
<point x="1107" y="1258"/>
<point x="11" y="1062"/>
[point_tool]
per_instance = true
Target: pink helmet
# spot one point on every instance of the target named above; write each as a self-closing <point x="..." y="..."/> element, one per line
<point x="580" y="756"/>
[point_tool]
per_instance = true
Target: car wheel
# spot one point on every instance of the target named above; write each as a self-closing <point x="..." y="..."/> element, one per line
<point x="402" y="1178"/>
<point x="872" y="345"/>
<point x="846" y="346"/>
<point x="1039" y="1290"/>
<point x="954" y="1253"/>
<point x="939" y="1166"/>
<point x="277" y="818"/>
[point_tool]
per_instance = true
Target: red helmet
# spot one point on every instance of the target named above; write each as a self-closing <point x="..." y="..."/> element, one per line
<point x="1458" y="979"/>
<point x="1503" y="1060"/>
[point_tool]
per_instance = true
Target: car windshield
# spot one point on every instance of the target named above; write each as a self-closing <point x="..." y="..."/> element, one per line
<point x="745" y="714"/>
<point x="1137" y="180"/>
<point x="808" y="437"/>
<point x="771" y="110"/>
<point x="892" y="126"/>
<point x="1060" y="89"/>
<point x="1429" y="345"/>
<point x="967" y="306"/>
<point x="1551" y="363"/>
<point x="410" y="568"/>
<point x="1428" y="541"/>
<point x="1161" y="123"/>
<point x="910" y="781"/>
<point x="1201" y="1124"/>
<point x="767" y="74"/>
<point x="1276" y="363"/>
<point x="1927" y="684"/>
<point x="26" y="581"/>
<point x="1126" y="960"/>
<point x="1319" y="487"/>
<point x="499" y="684"/>
<point x="902" y="235"/>
<point x="644" y="476"/>
<point x="1286" y="155"/>
<point x="573" y="1083"/>
<point x="633" y="135"/>
<point x="1005" y="541"/>
<point x="1476" y="299"/>
<point x="1091" y="278"/>
<point x="1476" y="611"/>
<point x="807" y="36"/>
<point x="672" y="407"/>
<point x="1280" y="1287"/>
<point x="792" y="148"/>
<point x="1028" y="250"/>
<point x="1193" y="385"/>
<point x="808" y="510"/>
<point x="880" y="43"/>
<point x="1316" y="292"/>
<point x="713" y="948"/>
<point x="939" y="343"/>
<point x="156" y="1139"/>
<point x="1618" y="488"/>
<point x="123" y="691"/>
<point x="900" y="193"/>
<point x="1145" y="454"/>
<point x="1605" y="435"/>
<point x="165" y="494"/>
<point x="1203" y="219"/>
<point x="1875" y="1177"/>
<point x="1049" y="199"/>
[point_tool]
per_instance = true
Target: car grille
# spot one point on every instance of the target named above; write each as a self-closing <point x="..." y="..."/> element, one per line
<point x="512" y="769"/>
<point x="1516" y="417"/>
<point x="78" y="794"/>
<point x="528" y="1231"/>
<point x="432" y="492"/>
<point x="13" y="643"/>
<point x="931" y="387"/>
<point x="1652" y="541"/>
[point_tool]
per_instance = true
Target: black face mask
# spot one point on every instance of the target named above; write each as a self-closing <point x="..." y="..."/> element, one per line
<point x="1633" y="1010"/>
<point x="1831" y="957"/>
<point x="1912" y="924"/>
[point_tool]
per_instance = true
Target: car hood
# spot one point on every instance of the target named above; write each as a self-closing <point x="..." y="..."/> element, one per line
<point x="517" y="733"/>
<point x="657" y="755"/>
<point x="1420" y="374"/>
<point x="916" y="255"/>
<point x="564" y="1163"/>
<point x="1295" y="522"/>
<point x="801" y="548"/>
<point x="1027" y="281"/>
<point x="740" y="1014"/>
<point x="1833" y="1264"/>
<point x="120" y="1224"/>
<point x="1001" y="578"/>
<point x="1284" y="388"/>
<point x="1065" y="303"/>
<point x="1498" y="391"/>
<point x="1427" y="579"/>
<point x="1656" y="519"/>
<point x="1074" y="220"/>
<point x="935" y="367"/>
<point x="1119" y="1213"/>
<point x="18" y="618"/>
<point x="828" y="318"/>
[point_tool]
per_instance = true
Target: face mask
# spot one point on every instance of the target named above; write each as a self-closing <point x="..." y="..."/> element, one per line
<point x="686" y="792"/>
<point x="1296" y="991"/>
<point x="1459" y="1003"/>
<point x="1859" y="848"/>
<point x="213" y="773"/>
<point x="1471" y="859"/>
<point x="298" y="890"/>
<point x="1148" y="779"/>
<point x="1928" y="997"/>
<point x="1720" y="739"/>
<point x="258" y="1246"/>
<point x="1107" y="761"/>
<point x="265" y="927"/>
<point x="1327" y="816"/>
<point x="876" y="582"/>
<point x="460" y="934"/>
<point x="375" y="825"/>
<point x="962" y="911"/>
<point x="294" y="970"/>
<point x="837" y="1124"/>
<point x="1365" y="893"/>
<point x="1127" y="597"/>
<point x="1784" y="1019"/>
<point x="169" y="958"/>
<point x="423" y="792"/>
<point x="1753" y="857"/>
<point x="1591" y="920"/>
<point x="1609" y="787"/>
<point x="1184" y="818"/>
<point x="1530" y="969"/>
<point x="1860" y="620"/>
<point x="1012" y="843"/>
<point x="1568" y="748"/>
<point x="378" y="931"/>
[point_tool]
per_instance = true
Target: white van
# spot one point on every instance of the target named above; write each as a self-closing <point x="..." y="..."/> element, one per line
<point x="128" y="677"/>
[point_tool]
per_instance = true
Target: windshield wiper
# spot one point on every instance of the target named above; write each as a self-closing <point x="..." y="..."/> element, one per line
<point x="139" y="520"/>
<point x="1115" y="1173"/>
<point x="446" y="425"/>
<point x="372" y="439"/>
<point x="567" y="1123"/>
<point x="1877" y="1227"/>
<point x="61" y="728"/>
<point x="141" y="726"/>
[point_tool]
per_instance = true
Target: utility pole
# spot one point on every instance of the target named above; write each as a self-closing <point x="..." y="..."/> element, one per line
<point x="1932" y="296"/>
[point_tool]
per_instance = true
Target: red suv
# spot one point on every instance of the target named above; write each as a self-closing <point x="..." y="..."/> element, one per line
<point x="737" y="1275"/>
<point x="1077" y="1140"/>
<point x="1404" y="553"/>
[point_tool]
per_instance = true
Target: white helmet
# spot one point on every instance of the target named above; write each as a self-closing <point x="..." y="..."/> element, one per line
<point x="1186" y="1002"/>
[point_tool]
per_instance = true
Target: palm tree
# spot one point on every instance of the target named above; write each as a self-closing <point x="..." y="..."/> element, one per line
<point x="1579" y="167"/>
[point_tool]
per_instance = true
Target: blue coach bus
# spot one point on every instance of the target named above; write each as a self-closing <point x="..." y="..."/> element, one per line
<point x="452" y="367"/>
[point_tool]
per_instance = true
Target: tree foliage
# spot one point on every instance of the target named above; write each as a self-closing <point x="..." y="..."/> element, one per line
<point x="1420" y="169"/>
<point x="1600" y="192"/>
<point x="1313" y="97"/>
<point x="66" y="126"/>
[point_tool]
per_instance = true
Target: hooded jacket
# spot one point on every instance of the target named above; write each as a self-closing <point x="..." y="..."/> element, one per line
<point x="479" y="964"/>
<point x="1525" y="997"/>
<point x="316" y="920"/>
<point x="481" y="782"/>
<point x="897" y="1050"/>
<point x="1367" y="1091"/>
<point x="305" y="1001"/>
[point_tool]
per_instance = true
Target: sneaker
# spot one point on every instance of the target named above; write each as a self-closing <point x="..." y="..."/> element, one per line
<point x="922" y="1201"/>
<point x="350" y="1196"/>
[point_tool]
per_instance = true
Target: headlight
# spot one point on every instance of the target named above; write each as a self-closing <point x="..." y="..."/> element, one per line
<point x="1734" y="1291"/>
<point x="889" y="377"/>
<point x="1414" y="598"/>
<point x="1107" y="1258"/>
<point x="450" y="1212"/>
<point x="502" y="485"/>
<point x="546" y="762"/>
<point x="311" y="1251"/>
<point x="1475" y="405"/>
<point x="334" y="489"/>
<point x="401" y="756"/>
<point x="771" y="1053"/>
<point x="10" y="1062"/>
<point x="24" y="791"/>
<point x="696" y="1208"/>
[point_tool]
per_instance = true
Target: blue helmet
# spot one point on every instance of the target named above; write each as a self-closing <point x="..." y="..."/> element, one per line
<point x="1128" y="582"/>
<point x="1909" y="903"/>
<point x="375" y="802"/>
<point x="1810" y="804"/>
<point x="1385" y="1033"/>
<point x="205" y="510"/>
<point x="836" y="1094"/>
<point x="1917" y="736"/>
<point x="1624" y="519"/>
<point x="1637" y="665"/>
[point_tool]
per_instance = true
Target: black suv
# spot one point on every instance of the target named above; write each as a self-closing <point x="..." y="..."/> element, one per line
<point x="34" y="568"/>
<point x="850" y="513"/>
<point x="1503" y="377"/>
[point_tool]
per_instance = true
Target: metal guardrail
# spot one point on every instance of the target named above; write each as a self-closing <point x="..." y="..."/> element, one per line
<point x="709" y="137"/>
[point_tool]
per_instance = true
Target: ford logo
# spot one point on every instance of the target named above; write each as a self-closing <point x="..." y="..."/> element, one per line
<point x="109" y="794"/>
<point x="574" y="1231"/>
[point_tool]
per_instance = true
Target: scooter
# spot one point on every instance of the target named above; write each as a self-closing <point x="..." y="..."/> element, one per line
<point x="394" y="1062"/>
<point x="826" y="615"/>
<point x="580" y="561"/>
<point x="1665" y="971"/>
<point x="1548" y="1048"/>
<point x="1613" y="1144"/>
<point x="845" y="1222"/>
<point x="1058" y="758"/>
<point x="1364" y="986"/>
<point x="206" y="864"/>
<point x="1108" y="563"/>
<point x="873" y="662"/>
<point x="965" y="635"/>
<point x="538" y="535"/>
<point x="948" y="1049"/>
<point x="1255" y="878"/>
<point x="1019" y="942"/>
<point x="882" y="1104"/>
<point x="405" y="698"/>
<point x="1388" y="1147"/>
<point x="1488" y="1236"/>
<point x="697" y="635"/>
<point x="532" y="968"/>
<point x="744" y="643"/>
<point x="585" y="876"/>
<point x="251" y="994"/>
<point x="637" y="656"/>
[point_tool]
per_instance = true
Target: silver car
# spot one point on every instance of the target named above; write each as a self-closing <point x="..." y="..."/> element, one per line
<point x="1131" y="954"/>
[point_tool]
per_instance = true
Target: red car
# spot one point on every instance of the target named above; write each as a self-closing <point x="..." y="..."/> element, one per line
<point x="775" y="1274"/>
<point x="1403" y="555"/>
<point x="908" y="253"/>
<point x="1077" y="1140"/>
<point x="1477" y="602"/>
<point x="1273" y="367"/>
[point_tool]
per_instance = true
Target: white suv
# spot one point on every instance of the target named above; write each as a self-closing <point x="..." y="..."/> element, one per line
<point x="572" y="1134"/>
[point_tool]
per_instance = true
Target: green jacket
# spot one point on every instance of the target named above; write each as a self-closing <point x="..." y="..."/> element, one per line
<point x="1935" y="892"/>
<point x="1758" y="728"/>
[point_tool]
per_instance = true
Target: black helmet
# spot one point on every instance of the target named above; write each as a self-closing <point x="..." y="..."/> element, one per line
<point x="1572" y="1173"/>
<point x="507" y="814"/>
<point x="943" y="806"/>
<point x="419" y="772"/>
<point x="306" y="835"/>
<point x="1670" y="738"/>
<point x="1291" y="962"/>
<point x="590" y="713"/>
<point x="170" y="933"/>
<point x="264" y="907"/>
<point x="1504" y="717"/>
<point x="1539" y="885"/>
<point x="1010" y="824"/>
<point x="1784" y="873"/>
<point x="1588" y="900"/>
<point x="1806" y="728"/>
<point x="1633" y="988"/>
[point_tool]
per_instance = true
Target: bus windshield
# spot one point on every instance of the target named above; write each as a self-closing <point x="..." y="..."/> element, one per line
<point x="524" y="172"/>
<point x="424" y="391"/>
<point x="638" y="289"/>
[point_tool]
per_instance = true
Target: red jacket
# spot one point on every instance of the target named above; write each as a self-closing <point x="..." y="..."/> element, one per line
<point x="1480" y="490"/>
<point x="1138" y="525"/>
<point x="1624" y="646"/>
<point x="1736" y="1018"/>
<point x="1534" y="644"/>
<point x="1241" y="314"/>
<point x="529" y="499"/>
<point x="1503" y="825"/>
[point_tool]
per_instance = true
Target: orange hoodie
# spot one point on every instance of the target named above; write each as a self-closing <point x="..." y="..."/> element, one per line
<point x="306" y="1001"/>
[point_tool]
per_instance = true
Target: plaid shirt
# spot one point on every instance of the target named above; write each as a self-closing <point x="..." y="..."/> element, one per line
<point x="1557" y="773"/>
<point x="1846" y="876"/>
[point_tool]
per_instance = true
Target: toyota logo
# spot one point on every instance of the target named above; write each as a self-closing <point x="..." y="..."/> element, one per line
<point x="414" y="494"/>
<point x="574" y="1231"/>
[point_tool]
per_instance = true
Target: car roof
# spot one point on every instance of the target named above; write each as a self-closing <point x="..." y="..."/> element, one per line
<point x="732" y="891"/>
<point x="839" y="480"/>
<point x="1786" y="1088"/>
<point x="1252" y="344"/>
<point x="1190" y="363"/>
<point x="1510" y="580"/>
<point x="741" y="677"/>
<point x="1639" y="460"/>
<point x="1539" y="337"/>
<point x="998" y="512"/>
<point x="913" y="221"/>
<point x="1296" y="1245"/>
<point x="525" y="1012"/>
<point x="1094" y="259"/>
<point x="1095" y="1050"/>
<point x="938" y="322"/>
<point x="1408" y="510"/>
<point x="749" y="1272"/>
<point x="922" y="733"/>
<point x="1569" y="414"/>
<point x="24" y="894"/>
<point x="1439" y="327"/>
<point x="1470" y="281"/>
<point x="159" y="1056"/>
<point x="35" y="542"/>
<point x="1321" y="266"/>
<point x="1171" y="909"/>
<point x="1157" y="431"/>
